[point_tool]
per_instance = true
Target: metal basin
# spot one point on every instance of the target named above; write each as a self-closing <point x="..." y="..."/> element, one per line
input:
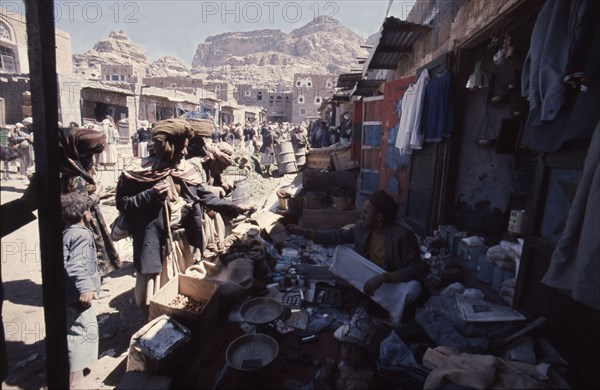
<point x="260" y="311"/>
<point x="251" y="352"/>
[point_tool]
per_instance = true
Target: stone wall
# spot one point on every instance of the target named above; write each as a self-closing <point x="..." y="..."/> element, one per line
<point x="455" y="23"/>
<point x="12" y="16"/>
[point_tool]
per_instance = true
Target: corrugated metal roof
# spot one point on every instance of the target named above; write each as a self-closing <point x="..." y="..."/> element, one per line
<point x="348" y="80"/>
<point x="341" y="96"/>
<point x="366" y="87"/>
<point x="395" y="38"/>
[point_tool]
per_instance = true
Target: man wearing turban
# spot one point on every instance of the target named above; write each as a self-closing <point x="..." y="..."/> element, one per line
<point x="163" y="201"/>
<point x="381" y="240"/>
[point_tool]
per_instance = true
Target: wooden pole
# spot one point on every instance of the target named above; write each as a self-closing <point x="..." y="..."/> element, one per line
<point x="44" y="95"/>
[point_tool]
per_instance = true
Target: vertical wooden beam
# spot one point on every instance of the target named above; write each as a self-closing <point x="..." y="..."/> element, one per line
<point x="44" y="95"/>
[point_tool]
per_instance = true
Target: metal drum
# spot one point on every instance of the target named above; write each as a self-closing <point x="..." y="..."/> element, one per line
<point x="286" y="160"/>
<point x="300" y="154"/>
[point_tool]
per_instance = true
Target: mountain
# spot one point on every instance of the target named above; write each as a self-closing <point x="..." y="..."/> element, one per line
<point x="323" y="46"/>
<point x="117" y="49"/>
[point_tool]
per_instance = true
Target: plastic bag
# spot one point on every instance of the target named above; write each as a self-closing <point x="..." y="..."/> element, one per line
<point x="394" y="353"/>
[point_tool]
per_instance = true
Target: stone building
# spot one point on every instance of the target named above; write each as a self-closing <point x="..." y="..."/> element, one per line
<point x="309" y="92"/>
<point x="14" y="63"/>
<point x="122" y="73"/>
<point x="276" y="100"/>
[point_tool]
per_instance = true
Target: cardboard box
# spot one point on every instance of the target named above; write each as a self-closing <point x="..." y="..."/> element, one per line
<point x="454" y="239"/>
<point x="201" y="290"/>
<point x="447" y="232"/>
<point x="470" y="253"/>
<point x="499" y="275"/>
<point x="159" y="346"/>
<point x="485" y="269"/>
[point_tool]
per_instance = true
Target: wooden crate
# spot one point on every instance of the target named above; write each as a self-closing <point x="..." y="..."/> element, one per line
<point x="321" y="160"/>
<point x="201" y="290"/>
<point x="313" y="180"/>
<point x="342" y="160"/>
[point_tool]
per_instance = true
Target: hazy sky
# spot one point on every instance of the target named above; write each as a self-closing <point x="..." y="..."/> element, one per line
<point x="163" y="27"/>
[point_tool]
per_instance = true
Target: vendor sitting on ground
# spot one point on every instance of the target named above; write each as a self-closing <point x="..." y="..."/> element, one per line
<point x="378" y="237"/>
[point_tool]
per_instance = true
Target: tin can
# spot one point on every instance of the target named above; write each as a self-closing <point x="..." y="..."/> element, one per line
<point x="516" y="223"/>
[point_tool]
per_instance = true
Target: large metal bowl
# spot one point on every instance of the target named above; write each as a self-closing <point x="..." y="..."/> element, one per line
<point x="260" y="311"/>
<point x="251" y="352"/>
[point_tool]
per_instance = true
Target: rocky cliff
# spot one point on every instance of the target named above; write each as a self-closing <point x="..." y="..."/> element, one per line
<point x="322" y="46"/>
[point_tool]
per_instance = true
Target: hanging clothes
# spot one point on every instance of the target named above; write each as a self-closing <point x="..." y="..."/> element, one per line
<point x="410" y="119"/>
<point x="577" y="76"/>
<point x="438" y="113"/>
<point x="574" y="266"/>
<point x="559" y="39"/>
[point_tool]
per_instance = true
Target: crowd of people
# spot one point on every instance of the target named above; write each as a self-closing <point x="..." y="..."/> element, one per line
<point x="171" y="200"/>
<point x="259" y="138"/>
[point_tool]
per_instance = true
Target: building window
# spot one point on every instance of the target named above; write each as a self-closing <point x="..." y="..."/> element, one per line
<point x="298" y="83"/>
<point x="107" y="77"/>
<point x="114" y="77"/>
<point x="5" y="32"/>
<point x="259" y="96"/>
<point x="303" y="111"/>
<point x="247" y="93"/>
<point x="318" y="99"/>
<point x="328" y="84"/>
<point x="301" y="99"/>
<point x="7" y="60"/>
<point x="122" y="77"/>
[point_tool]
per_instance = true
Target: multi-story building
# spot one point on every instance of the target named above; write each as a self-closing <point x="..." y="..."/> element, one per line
<point x="122" y="73"/>
<point x="276" y="100"/>
<point x="309" y="92"/>
<point x="14" y="90"/>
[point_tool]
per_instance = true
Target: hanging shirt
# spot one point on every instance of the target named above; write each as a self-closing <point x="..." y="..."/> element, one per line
<point x="403" y="137"/>
<point x="438" y="116"/>
<point x="415" y="111"/>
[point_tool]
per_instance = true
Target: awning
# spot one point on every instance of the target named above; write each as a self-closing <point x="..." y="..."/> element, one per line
<point x="342" y="96"/>
<point x="395" y="38"/>
<point x="348" y="80"/>
<point x="366" y="87"/>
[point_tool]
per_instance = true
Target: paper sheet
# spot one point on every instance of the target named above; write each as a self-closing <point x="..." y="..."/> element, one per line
<point x="357" y="270"/>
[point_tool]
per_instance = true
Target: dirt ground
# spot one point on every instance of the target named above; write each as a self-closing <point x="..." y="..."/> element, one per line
<point x="23" y="317"/>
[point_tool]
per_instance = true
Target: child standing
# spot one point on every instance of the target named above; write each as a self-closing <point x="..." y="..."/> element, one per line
<point x="82" y="285"/>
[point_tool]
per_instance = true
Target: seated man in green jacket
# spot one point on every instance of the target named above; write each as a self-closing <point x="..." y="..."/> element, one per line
<point x="378" y="237"/>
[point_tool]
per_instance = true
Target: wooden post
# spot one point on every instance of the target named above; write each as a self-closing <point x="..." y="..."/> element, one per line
<point x="44" y="94"/>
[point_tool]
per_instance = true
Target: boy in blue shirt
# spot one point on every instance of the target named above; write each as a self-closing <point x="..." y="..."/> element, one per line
<point x="82" y="285"/>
